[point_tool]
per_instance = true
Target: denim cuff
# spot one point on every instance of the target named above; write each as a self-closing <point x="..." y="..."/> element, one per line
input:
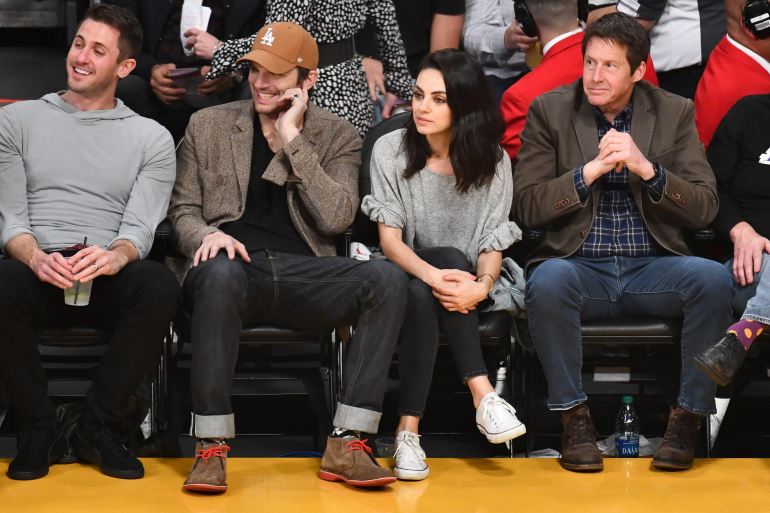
<point x="212" y="426"/>
<point x="566" y="406"/>
<point x="356" y="419"/>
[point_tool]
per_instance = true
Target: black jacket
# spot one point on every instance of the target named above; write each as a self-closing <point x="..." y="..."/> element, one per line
<point x="242" y="18"/>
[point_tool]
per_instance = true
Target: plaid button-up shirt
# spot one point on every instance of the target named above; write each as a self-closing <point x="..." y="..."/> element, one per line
<point x="618" y="229"/>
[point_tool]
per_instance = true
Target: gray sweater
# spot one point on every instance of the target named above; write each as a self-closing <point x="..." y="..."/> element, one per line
<point x="67" y="174"/>
<point x="431" y="212"/>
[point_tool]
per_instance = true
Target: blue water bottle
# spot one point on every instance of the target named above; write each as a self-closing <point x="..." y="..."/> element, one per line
<point x="627" y="430"/>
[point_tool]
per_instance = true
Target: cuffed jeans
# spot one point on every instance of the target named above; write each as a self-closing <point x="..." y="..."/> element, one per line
<point x="301" y="292"/>
<point x="563" y="291"/>
<point x="418" y="341"/>
<point x="136" y="306"/>
<point x="753" y="300"/>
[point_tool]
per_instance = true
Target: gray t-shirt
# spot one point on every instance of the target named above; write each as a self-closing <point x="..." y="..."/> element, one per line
<point x="431" y="212"/>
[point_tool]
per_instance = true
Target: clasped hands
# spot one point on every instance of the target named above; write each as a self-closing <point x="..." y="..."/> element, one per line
<point x="456" y="290"/>
<point x="83" y="266"/>
<point x="617" y="149"/>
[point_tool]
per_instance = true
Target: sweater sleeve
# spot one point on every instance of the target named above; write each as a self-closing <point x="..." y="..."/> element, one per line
<point x="384" y="205"/>
<point x="499" y="232"/>
<point x="14" y="217"/>
<point x="148" y="201"/>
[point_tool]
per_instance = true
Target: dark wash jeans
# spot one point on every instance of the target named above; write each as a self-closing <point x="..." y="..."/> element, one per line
<point x="418" y="342"/>
<point x="314" y="293"/>
<point x="136" y="306"/>
<point x="563" y="291"/>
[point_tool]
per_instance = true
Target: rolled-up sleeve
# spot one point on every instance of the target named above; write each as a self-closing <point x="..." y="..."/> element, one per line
<point x="384" y="204"/>
<point x="14" y="218"/>
<point x="499" y="232"/>
<point x="148" y="202"/>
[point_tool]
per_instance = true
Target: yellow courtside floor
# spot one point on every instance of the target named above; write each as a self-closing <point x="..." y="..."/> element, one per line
<point x="455" y="485"/>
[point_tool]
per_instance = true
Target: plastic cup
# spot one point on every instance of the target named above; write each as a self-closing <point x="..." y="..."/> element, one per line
<point x="386" y="446"/>
<point x="79" y="294"/>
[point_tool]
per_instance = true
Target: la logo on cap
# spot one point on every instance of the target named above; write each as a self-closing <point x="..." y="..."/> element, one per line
<point x="268" y="38"/>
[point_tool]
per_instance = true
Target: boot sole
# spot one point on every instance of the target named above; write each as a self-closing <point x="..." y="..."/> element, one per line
<point x="369" y="483"/>
<point x="27" y="475"/>
<point x="708" y="371"/>
<point x="505" y="436"/>
<point x="669" y="465"/>
<point x="582" y="467"/>
<point x="204" y="488"/>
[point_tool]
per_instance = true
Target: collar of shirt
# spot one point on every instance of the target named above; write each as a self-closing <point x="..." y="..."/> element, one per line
<point x="555" y="40"/>
<point x="622" y="121"/>
<point x="755" y="56"/>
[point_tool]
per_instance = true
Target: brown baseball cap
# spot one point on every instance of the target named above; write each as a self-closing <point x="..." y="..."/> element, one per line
<point x="279" y="47"/>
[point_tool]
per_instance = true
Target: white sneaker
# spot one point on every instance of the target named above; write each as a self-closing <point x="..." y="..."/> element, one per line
<point x="496" y="419"/>
<point x="410" y="458"/>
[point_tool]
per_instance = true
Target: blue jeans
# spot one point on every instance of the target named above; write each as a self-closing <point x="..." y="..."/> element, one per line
<point x="753" y="299"/>
<point x="563" y="291"/>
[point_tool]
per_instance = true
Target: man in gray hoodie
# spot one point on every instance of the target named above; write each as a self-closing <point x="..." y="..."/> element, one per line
<point x="74" y="165"/>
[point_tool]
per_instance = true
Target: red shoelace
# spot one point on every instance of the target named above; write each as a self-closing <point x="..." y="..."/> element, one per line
<point x="216" y="450"/>
<point x="359" y="445"/>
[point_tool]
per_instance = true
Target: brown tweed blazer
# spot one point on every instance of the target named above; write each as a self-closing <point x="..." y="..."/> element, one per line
<point x="214" y="164"/>
<point x="560" y="135"/>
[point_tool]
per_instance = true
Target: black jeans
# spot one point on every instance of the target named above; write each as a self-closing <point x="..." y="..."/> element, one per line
<point x="418" y="342"/>
<point x="135" y="306"/>
<point x="313" y="293"/>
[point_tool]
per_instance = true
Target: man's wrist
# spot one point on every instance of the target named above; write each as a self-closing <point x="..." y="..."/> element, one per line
<point x="647" y="171"/>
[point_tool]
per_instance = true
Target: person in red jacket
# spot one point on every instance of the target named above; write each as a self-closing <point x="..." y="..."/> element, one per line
<point x="558" y="29"/>
<point x="739" y="66"/>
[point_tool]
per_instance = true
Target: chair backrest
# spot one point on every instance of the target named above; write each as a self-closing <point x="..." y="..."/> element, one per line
<point x="363" y="229"/>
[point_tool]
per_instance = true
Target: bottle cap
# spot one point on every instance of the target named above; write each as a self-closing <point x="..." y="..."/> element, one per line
<point x="628" y="399"/>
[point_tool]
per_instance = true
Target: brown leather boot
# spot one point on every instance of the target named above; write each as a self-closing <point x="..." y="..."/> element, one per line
<point x="677" y="450"/>
<point x="578" y="441"/>
<point x="209" y="470"/>
<point x="350" y="460"/>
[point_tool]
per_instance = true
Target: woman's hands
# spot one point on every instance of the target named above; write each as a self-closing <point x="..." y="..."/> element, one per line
<point x="458" y="291"/>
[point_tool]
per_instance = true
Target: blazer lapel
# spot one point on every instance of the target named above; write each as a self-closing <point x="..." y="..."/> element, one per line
<point x="643" y="122"/>
<point x="241" y="141"/>
<point x="585" y="128"/>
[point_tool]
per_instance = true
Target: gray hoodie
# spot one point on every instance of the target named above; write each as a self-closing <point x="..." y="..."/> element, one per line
<point x="66" y="174"/>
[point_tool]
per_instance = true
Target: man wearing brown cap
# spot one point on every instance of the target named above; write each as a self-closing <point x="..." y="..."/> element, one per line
<point x="262" y="190"/>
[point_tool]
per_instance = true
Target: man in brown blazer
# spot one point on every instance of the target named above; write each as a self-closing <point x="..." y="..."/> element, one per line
<point x="613" y="170"/>
<point x="262" y="189"/>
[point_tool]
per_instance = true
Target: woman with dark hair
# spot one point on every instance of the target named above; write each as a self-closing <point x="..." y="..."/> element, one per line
<point x="441" y="194"/>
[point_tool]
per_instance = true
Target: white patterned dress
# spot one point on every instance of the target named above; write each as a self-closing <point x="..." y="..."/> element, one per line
<point x="341" y="88"/>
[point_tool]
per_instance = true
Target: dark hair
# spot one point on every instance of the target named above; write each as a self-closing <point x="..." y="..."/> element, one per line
<point x="477" y="126"/>
<point x="302" y="74"/>
<point x="122" y="20"/>
<point x="621" y="29"/>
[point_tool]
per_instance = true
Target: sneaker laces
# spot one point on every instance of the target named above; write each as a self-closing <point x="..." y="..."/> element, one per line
<point x="488" y="408"/>
<point x="218" y="449"/>
<point x="359" y="445"/>
<point x="410" y="441"/>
